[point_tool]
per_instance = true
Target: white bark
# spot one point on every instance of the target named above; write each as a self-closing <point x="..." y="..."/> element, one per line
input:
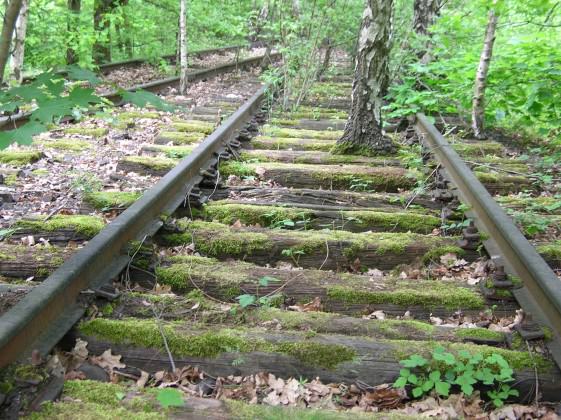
<point x="18" y="53"/>
<point x="183" y="47"/>
<point x="478" y="105"/>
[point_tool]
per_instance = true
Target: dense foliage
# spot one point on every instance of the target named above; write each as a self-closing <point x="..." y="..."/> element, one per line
<point x="148" y="26"/>
<point x="525" y="70"/>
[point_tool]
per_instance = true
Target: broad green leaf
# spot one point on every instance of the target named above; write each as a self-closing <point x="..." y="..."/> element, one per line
<point x="170" y="397"/>
<point x="417" y="392"/>
<point x="120" y="395"/>
<point x="442" y="388"/>
<point x="400" y="382"/>
<point x="53" y="108"/>
<point x="141" y="98"/>
<point x="246" y="300"/>
<point x="412" y="379"/>
<point x="427" y="385"/>
<point x="265" y="280"/>
<point x="21" y="135"/>
<point x="414" y="361"/>
<point x="434" y="375"/>
<point x="78" y="73"/>
<point x="83" y="97"/>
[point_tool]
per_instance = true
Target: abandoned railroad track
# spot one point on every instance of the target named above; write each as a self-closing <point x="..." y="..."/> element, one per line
<point x="233" y="242"/>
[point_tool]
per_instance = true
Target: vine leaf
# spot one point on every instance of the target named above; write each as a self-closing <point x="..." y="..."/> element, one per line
<point x="170" y="397"/>
<point x="21" y="135"/>
<point x="77" y="73"/>
<point x="141" y="98"/>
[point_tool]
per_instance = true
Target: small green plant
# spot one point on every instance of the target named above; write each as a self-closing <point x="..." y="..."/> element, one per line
<point x="170" y="397"/>
<point x="294" y="254"/>
<point x="464" y="370"/>
<point x="358" y="184"/>
<point x="246" y="300"/>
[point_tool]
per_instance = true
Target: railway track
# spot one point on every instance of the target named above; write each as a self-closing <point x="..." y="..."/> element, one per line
<point x="259" y="251"/>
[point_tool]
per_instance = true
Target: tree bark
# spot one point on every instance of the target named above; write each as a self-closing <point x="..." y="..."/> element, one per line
<point x="478" y="106"/>
<point x="10" y="17"/>
<point x="74" y="7"/>
<point x="363" y="132"/>
<point x="102" y="47"/>
<point x="19" y="42"/>
<point x="425" y="13"/>
<point x="328" y="44"/>
<point x="183" y="47"/>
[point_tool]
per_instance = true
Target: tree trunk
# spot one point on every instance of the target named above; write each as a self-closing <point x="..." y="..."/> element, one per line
<point x="122" y="29"/>
<point x="425" y="13"/>
<point x="363" y="132"/>
<point x="74" y="7"/>
<point x="183" y="47"/>
<point x="296" y="8"/>
<point x="102" y="47"/>
<point x="328" y="44"/>
<point x="478" y="106"/>
<point x="19" y="42"/>
<point x="10" y="17"/>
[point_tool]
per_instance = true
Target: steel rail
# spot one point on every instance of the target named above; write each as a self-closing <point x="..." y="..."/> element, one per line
<point x="104" y="68"/>
<point x="48" y="311"/>
<point x="14" y="121"/>
<point x="541" y="291"/>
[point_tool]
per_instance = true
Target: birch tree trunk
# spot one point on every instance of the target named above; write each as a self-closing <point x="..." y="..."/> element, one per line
<point x="478" y="105"/>
<point x="19" y="42"/>
<point x="11" y="14"/>
<point x="183" y="47"/>
<point x="74" y="7"/>
<point x="425" y="13"/>
<point x="363" y="131"/>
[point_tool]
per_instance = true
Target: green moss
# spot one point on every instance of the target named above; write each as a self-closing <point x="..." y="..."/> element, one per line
<point x="280" y="143"/>
<point x="133" y="115"/>
<point x="496" y="178"/>
<point x="250" y="215"/>
<point x="29" y="373"/>
<point x="177" y="137"/>
<point x="243" y="411"/>
<point x="194" y="126"/>
<point x="91" y="132"/>
<point x="210" y="344"/>
<point x="436" y="253"/>
<point x="154" y="163"/>
<point x="551" y="251"/>
<point x="423" y="293"/>
<point x="88" y="226"/>
<point x="215" y="239"/>
<point x="479" y="333"/>
<point x="482" y="148"/>
<point x="11" y="179"/>
<point x="348" y="148"/>
<point x="317" y="354"/>
<point x="92" y="400"/>
<point x="111" y="199"/>
<point x="337" y="177"/>
<point x="413" y="222"/>
<point x="300" y="133"/>
<point x="71" y="145"/>
<point x="174" y="152"/>
<point x="40" y="172"/>
<point x="19" y="157"/>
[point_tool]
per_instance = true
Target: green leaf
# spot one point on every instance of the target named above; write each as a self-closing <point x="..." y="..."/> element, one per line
<point x="246" y="300"/>
<point x="445" y="357"/>
<point x="265" y="280"/>
<point x="21" y="135"/>
<point x="412" y="379"/>
<point x="78" y="73"/>
<point x="404" y="372"/>
<point x="53" y="108"/>
<point x="414" y="361"/>
<point x="170" y="397"/>
<point x="400" y="382"/>
<point x="442" y="388"/>
<point x="434" y="375"/>
<point x="141" y="98"/>
<point x="417" y="392"/>
<point x="83" y="97"/>
<point x="120" y="395"/>
<point x="427" y="385"/>
<point x="467" y="389"/>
